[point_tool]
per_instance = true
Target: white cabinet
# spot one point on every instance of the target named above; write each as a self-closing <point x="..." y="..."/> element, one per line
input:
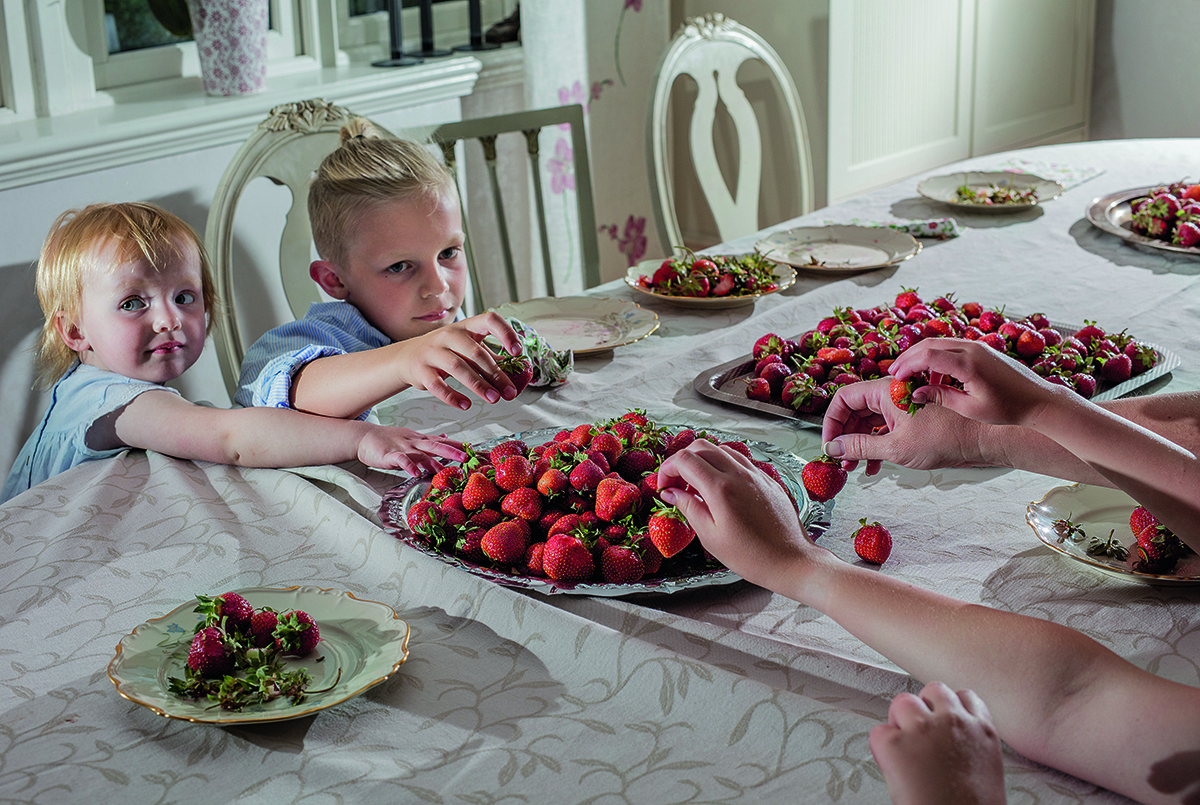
<point x="914" y="84"/>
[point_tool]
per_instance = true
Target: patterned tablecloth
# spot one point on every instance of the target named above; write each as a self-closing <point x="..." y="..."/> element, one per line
<point x="718" y="694"/>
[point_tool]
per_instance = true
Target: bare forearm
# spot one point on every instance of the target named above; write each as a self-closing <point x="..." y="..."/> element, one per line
<point x="343" y="386"/>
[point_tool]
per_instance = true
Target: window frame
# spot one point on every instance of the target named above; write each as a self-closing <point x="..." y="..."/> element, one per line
<point x="368" y="36"/>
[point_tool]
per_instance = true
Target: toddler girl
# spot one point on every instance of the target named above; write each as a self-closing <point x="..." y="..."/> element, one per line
<point x="126" y="292"/>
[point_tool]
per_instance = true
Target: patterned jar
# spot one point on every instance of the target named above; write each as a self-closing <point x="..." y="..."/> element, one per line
<point x="231" y="38"/>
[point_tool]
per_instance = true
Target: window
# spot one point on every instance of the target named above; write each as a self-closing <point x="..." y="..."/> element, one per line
<point x="128" y="44"/>
<point x="363" y="25"/>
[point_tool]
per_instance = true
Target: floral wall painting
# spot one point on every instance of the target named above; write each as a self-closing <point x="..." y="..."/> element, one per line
<point x="600" y="54"/>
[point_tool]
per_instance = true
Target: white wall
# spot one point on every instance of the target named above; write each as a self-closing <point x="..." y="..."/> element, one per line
<point x="1142" y="82"/>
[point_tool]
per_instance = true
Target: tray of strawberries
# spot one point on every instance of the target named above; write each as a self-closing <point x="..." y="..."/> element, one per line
<point x="576" y="510"/>
<point x="1164" y="217"/>
<point x="797" y="377"/>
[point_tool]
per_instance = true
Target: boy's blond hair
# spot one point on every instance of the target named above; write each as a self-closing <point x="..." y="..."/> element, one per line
<point x="366" y="169"/>
<point x="72" y="247"/>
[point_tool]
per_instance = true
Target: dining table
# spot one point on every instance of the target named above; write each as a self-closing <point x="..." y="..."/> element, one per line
<point x="712" y="693"/>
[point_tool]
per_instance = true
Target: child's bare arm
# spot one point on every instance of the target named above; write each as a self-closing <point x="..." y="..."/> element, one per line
<point x="1055" y="694"/>
<point x="346" y="385"/>
<point x="266" y="437"/>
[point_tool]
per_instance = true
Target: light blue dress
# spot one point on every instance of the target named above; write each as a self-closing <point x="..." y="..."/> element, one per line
<point x="328" y="328"/>
<point x="80" y="397"/>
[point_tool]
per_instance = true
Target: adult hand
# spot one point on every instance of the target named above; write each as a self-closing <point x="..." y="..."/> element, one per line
<point x="940" y="749"/>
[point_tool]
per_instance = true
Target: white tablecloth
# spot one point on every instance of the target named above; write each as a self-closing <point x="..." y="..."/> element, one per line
<point x="719" y="694"/>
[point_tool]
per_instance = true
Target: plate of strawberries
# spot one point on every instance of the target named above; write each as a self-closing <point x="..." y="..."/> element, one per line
<point x="1107" y="530"/>
<point x="796" y="377"/>
<point x="714" y="281"/>
<point x="1164" y="217"/>
<point x="576" y="510"/>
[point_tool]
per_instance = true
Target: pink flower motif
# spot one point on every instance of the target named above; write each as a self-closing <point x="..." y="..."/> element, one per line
<point x="562" y="168"/>
<point x="598" y="87"/>
<point x="572" y="94"/>
<point x="632" y="242"/>
<point x="636" y="5"/>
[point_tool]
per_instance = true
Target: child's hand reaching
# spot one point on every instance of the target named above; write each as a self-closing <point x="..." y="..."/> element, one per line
<point x="457" y="351"/>
<point x="739" y="514"/>
<point x="393" y="448"/>
<point x="996" y="389"/>
<point x="940" y="749"/>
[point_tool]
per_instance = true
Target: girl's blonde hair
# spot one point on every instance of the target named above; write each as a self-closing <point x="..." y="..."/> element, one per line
<point x="366" y="169"/>
<point x="72" y="247"/>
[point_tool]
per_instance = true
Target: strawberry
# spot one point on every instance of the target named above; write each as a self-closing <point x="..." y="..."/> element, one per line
<point x="907" y="298"/>
<point x="775" y="374"/>
<point x="902" y="390"/>
<point x="505" y="542"/>
<point x="652" y="558"/>
<point x="518" y="368"/>
<point x="470" y="544"/>
<point x="553" y="482"/>
<point x="297" y="633"/>
<point x="532" y="565"/>
<point x="1140" y="518"/>
<point x="479" y="492"/>
<point x="990" y="320"/>
<point x="724" y="285"/>
<point x="637" y="417"/>
<point x="418" y="516"/>
<point x="512" y="447"/>
<point x="872" y="542"/>
<point x="228" y="610"/>
<point x="1084" y="384"/>
<point x="1157" y="549"/>
<point x="1143" y="356"/>
<point x="1030" y="344"/>
<point x="448" y="478"/>
<point x="609" y="444"/>
<point x="581" y="435"/>
<point x="739" y="447"/>
<point x="679" y="441"/>
<point x="565" y="558"/>
<point x="769" y="344"/>
<point x="669" y="530"/>
<point x="758" y="389"/>
<point x="564" y="525"/>
<point x="484" y="518"/>
<point x="635" y="463"/>
<point x="524" y="503"/>
<point x="1186" y="234"/>
<point x="1116" y="368"/>
<point x="620" y="564"/>
<point x="586" y="476"/>
<point x="616" y="498"/>
<point x="823" y="478"/>
<point x="262" y="627"/>
<point x="208" y="654"/>
<point x="514" y="472"/>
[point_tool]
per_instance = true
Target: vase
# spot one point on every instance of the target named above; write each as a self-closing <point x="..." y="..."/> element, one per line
<point x="231" y="39"/>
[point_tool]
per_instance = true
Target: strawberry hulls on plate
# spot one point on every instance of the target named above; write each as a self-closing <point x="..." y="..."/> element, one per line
<point x="851" y="345"/>
<point x="587" y="511"/>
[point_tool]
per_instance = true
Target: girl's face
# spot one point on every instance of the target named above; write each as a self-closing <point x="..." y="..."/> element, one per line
<point x="405" y="268"/>
<point x="136" y="321"/>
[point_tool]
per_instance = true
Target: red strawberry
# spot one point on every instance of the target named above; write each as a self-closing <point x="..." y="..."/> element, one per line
<point x="607" y="443"/>
<point x="470" y="544"/>
<point x="1084" y="384"/>
<point x="553" y="482"/>
<point x="512" y="447"/>
<point x="990" y="320"/>
<point x="616" y="498"/>
<point x="297" y="633"/>
<point x="262" y="627"/>
<point x="1140" y="518"/>
<point x="524" y="503"/>
<point x="564" y="525"/>
<point x="479" y="492"/>
<point x="518" y="368"/>
<point x="907" y="298"/>
<point x="669" y="531"/>
<point x="769" y="344"/>
<point x="208" y="655"/>
<point x="505" y="542"/>
<point x="637" y="417"/>
<point x="620" y="564"/>
<point x="724" y="285"/>
<point x="1186" y="234"/>
<point x="758" y="389"/>
<point x="581" y="435"/>
<point x="514" y="472"/>
<point x="235" y="609"/>
<point x="484" y="518"/>
<point x="902" y="390"/>
<point x="586" y="475"/>
<point x="823" y="478"/>
<point x="1157" y="549"/>
<point x="1030" y="344"/>
<point x="565" y="558"/>
<point x="872" y="542"/>
<point x="450" y="478"/>
<point x="418" y="516"/>
<point x="635" y="463"/>
<point x="679" y="441"/>
<point x="532" y="565"/>
<point x="1117" y="368"/>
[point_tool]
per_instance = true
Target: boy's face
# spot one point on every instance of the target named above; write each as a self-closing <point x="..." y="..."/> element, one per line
<point x="137" y="321"/>
<point x="405" y="267"/>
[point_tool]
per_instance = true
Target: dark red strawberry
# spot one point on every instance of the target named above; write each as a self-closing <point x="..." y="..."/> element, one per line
<point x="297" y="633"/>
<point x="823" y="478"/>
<point x="208" y="655"/>
<point x="525" y="503"/>
<point x="448" y="478"/>
<point x="872" y="542"/>
<point x="907" y="298"/>
<point x="609" y="444"/>
<point x="620" y="564"/>
<point x="758" y="389"/>
<point x="1030" y="344"/>
<point x="1116" y="368"/>
<point x="587" y="475"/>
<point x="470" y="543"/>
<point x="505" y="542"/>
<point x="566" y="558"/>
<point x="511" y="447"/>
<point x="1186" y="234"/>
<point x="518" y="368"/>
<point x="262" y="627"/>
<point x="532" y="566"/>
<point x="635" y="463"/>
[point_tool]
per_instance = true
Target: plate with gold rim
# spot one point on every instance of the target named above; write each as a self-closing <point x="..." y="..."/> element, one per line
<point x="586" y="325"/>
<point x="945" y="189"/>
<point x="365" y="641"/>
<point x="1100" y="512"/>
<point x="839" y="248"/>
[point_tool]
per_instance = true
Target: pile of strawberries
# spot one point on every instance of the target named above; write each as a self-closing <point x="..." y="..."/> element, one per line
<point x="716" y="275"/>
<point x="852" y="345"/>
<point x="235" y="657"/>
<point x="581" y="507"/>
<point x="1170" y="212"/>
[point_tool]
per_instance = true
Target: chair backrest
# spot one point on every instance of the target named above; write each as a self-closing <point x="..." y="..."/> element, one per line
<point x="711" y="49"/>
<point x="289" y="145"/>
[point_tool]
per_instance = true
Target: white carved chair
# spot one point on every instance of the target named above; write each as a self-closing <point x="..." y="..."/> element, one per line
<point x="288" y="146"/>
<point x="711" y="49"/>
